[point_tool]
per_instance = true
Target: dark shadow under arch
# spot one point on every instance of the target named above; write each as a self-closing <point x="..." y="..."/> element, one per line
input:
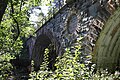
<point x="43" y="42"/>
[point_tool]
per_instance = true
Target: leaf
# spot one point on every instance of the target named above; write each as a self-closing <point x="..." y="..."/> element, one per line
<point x="82" y="65"/>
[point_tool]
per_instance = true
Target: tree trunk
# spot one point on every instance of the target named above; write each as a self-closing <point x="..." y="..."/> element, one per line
<point x="3" y="5"/>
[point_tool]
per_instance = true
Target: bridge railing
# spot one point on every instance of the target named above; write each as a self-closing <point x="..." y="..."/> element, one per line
<point x="52" y="11"/>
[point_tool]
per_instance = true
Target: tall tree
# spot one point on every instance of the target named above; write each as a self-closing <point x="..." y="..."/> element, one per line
<point x="3" y="5"/>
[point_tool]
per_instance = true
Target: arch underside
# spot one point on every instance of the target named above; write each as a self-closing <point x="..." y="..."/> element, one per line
<point x="42" y="42"/>
<point x="107" y="50"/>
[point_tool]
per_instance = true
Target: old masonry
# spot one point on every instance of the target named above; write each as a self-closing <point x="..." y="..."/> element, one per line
<point x="97" y="21"/>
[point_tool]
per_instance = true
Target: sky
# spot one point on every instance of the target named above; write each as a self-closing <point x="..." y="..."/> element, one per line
<point x="44" y="9"/>
<point x="35" y="14"/>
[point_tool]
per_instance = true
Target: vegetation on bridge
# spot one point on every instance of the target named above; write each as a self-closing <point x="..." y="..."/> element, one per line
<point x="15" y="28"/>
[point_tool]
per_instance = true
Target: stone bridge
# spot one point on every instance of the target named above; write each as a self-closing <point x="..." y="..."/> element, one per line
<point x="77" y="18"/>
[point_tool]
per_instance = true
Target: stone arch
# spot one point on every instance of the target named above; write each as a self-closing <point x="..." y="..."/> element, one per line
<point x="106" y="52"/>
<point x="43" y="41"/>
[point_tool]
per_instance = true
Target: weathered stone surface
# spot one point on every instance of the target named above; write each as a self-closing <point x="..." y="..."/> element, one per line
<point x="107" y="52"/>
<point x="84" y="18"/>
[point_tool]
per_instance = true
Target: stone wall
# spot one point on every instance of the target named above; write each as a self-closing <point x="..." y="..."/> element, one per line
<point x="84" y="18"/>
<point x="107" y="50"/>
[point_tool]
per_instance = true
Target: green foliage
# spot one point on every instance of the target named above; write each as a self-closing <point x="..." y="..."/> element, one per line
<point x="69" y="67"/>
<point x="43" y="73"/>
<point x="5" y="66"/>
<point x="14" y="28"/>
<point x="11" y="39"/>
<point x="105" y="75"/>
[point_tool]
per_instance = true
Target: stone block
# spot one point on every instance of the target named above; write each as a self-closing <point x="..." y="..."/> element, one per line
<point x="93" y="9"/>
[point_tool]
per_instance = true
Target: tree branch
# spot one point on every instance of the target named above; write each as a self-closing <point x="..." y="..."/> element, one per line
<point x="17" y="24"/>
<point x="21" y="5"/>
